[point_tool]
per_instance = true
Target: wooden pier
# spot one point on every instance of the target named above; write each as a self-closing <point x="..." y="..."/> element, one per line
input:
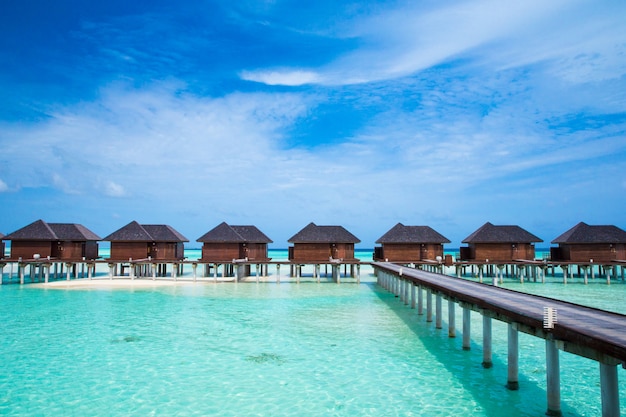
<point x="592" y="333"/>
<point x="43" y="270"/>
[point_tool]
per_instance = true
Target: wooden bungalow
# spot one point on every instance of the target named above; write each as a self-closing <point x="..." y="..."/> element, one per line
<point x="583" y="243"/>
<point x="320" y="244"/>
<point x="408" y="244"/>
<point x="142" y="241"/>
<point x="499" y="244"/>
<point x="66" y="241"/>
<point x="225" y="243"/>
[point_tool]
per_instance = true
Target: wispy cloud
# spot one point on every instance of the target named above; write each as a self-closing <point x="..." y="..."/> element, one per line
<point x="281" y="77"/>
<point x="112" y="189"/>
<point x="398" y="42"/>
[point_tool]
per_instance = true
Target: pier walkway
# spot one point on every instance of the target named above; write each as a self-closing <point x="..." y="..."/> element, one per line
<point x="592" y="333"/>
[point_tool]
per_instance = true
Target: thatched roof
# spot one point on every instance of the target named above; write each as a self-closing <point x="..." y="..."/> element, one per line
<point x="412" y="234"/>
<point x="135" y="232"/>
<point x="488" y="233"/>
<point x="40" y="230"/>
<point x="224" y="233"/>
<point x="323" y="234"/>
<point x="583" y="233"/>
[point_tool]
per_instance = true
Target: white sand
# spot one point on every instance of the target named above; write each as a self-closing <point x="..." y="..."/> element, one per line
<point x="116" y="283"/>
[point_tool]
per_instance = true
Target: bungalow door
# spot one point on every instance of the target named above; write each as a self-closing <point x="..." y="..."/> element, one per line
<point x="153" y="250"/>
<point x="334" y="251"/>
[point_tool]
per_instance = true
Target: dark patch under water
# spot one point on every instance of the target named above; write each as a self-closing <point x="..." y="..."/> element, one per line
<point x="265" y="358"/>
<point x="126" y="339"/>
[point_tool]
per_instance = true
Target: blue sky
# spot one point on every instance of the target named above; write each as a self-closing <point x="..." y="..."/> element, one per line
<point x="278" y="113"/>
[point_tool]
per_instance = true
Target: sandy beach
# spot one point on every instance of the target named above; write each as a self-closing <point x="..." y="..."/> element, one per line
<point x="116" y="283"/>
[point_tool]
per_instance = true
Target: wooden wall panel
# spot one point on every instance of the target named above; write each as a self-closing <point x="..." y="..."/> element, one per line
<point x="214" y="252"/>
<point x="254" y="251"/>
<point x="585" y="252"/>
<point x="126" y="250"/>
<point x="303" y="252"/>
<point x="26" y="249"/>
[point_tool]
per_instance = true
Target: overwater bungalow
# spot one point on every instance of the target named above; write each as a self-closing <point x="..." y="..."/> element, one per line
<point x="322" y="244"/>
<point x="227" y="242"/>
<point x="142" y="241"/>
<point x="406" y="244"/>
<point x="66" y="241"/>
<point x="585" y="243"/>
<point x="2" y="248"/>
<point x="499" y="244"/>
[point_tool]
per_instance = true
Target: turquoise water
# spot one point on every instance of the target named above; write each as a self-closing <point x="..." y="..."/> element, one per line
<point x="270" y="350"/>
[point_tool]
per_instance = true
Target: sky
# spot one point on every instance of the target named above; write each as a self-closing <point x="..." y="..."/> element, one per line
<point x="279" y="113"/>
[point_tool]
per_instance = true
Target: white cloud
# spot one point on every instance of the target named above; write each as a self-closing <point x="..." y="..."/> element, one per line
<point x="281" y="77"/>
<point x="152" y="139"/>
<point x="3" y="186"/>
<point x="112" y="189"/>
<point x="61" y="183"/>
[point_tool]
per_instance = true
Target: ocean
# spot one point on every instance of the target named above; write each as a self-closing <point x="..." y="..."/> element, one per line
<point x="271" y="349"/>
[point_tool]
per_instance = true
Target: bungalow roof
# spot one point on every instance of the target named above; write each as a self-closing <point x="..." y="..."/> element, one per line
<point x="225" y="233"/>
<point x="313" y="233"/>
<point x="135" y="232"/>
<point x="584" y="233"/>
<point x="412" y="234"/>
<point x="164" y="233"/>
<point x="488" y="233"/>
<point x="40" y="230"/>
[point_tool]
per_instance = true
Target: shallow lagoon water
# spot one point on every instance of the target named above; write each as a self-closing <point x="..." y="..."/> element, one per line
<point x="267" y="350"/>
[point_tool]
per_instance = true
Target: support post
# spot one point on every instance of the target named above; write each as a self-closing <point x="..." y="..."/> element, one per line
<point x="466" y="328"/>
<point x="406" y="292"/>
<point x="553" y="379"/>
<point x="438" y="318"/>
<point x="429" y="305"/>
<point x="513" y="358"/>
<point x="451" y="319"/>
<point x="413" y="296"/>
<point x="487" y="352"/>
<point x="420" y="300"/>
<point x="609" y="390"/>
